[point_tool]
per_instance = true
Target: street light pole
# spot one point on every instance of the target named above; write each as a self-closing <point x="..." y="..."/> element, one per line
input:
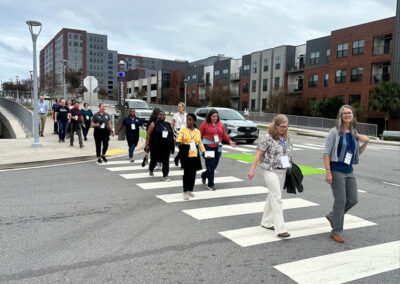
<point x="31" y="73"/>
<point x="121" y="101"/>
<point x="31" y="25"/>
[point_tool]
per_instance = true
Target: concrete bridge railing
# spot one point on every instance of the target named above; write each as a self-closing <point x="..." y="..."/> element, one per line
<point x="24" y="116"/>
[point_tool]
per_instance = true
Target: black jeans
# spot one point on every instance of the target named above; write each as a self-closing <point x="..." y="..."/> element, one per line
<point x="86" y="129"/>
<point x="165" y="164"/>
<point x="101" y="135"/>
<point x="189" y="177"/>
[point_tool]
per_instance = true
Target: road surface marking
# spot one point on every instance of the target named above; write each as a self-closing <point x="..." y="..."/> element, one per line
<point x="315" y="145"/>
<point x="133" y="168"/>
<point x="208" y="194"/>
<point x="297" y="149"/>
<point x="250" y="146"/>
<point x="237" y="148"/>
<point x="307" y="147"/>
<point x="126" y="162"/>
<point x="389" y="183"/>
<point x="344" y="266"/>
<point x="362" y="191"/>
<point x="173" y="183"/>
<point x="156" y="174"/>
<point x="251" y="236"/>
<point x="242" y="209"/>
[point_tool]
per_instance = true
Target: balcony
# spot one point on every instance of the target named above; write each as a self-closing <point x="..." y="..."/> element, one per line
<point x="379" y="78"/>
<point x="153" y="93"/>
<point x="382" y="49"/>
<point x="235" y="76"/>
<point x="298" y="67"/>
<point x="201" y="82"/>
<point x="295" y="88"/>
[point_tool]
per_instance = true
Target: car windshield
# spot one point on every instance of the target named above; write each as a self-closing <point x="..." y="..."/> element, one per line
<point x="138" y="105"/>
<point x="229" y="114"/>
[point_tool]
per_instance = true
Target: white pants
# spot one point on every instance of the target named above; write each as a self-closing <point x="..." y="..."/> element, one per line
<point x="273" y="211"/>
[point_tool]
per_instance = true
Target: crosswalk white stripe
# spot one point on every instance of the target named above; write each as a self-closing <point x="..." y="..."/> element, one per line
<point x="174" y="183"/>
<point x="242" y="209"/>
<point x="250" y="146"/>
<point x="124" y="162"/>
<point x="133" y="168"/>
<point x="208" y="194"/>
<point x="297" y="149"/>
<point x="146" y="174"/>
<point x="315" y="145"/>
<point x="344" y="266"/>
<point x="241" y="149"/>
<point x="306" y="147"/>
<point x="257" y="235"/>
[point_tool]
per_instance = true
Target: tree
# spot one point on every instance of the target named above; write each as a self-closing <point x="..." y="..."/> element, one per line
<point x="51" y="84"/>
<point x="279" y="102"/>
<point x="193" y="103"/>
<point x="142" y="93"/>
<point x="385" y="98"/>
<point x="327" y="108"/>
<point x="220" y="96"/>
<point x="172" y="96"/>
<point x="74" y="80"/>
<point x="359" y="111"/>
<point x="102" y="93"/>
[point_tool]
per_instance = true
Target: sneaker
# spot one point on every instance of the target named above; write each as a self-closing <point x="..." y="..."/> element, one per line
<point x="99" y="161"/>
<point x="166" y="179"/>
<point x="190" y="193"/>
<point x="185" y="196"/>
<point x="176" y="162"/>
<point x="284" y="235"/>
<point x="104" y="158"/>
<point x="85" y="139"/>
<point x="71" y="144"/>
<point x="132" y="160"/>
<point x="81" y="146"/>
<point x="210" y="187"/>
<point x="151" y="174"/>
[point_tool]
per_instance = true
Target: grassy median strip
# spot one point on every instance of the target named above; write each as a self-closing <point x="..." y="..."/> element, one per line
<point x="306" y="170"/>
<point x="143" y="134"/>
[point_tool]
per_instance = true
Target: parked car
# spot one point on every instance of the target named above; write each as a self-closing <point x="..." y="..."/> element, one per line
<point x="237" y="127"/>
<point x="143" y="110"/>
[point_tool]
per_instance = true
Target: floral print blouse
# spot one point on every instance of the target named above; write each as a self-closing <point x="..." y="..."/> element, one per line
<point x="271" y="160"/>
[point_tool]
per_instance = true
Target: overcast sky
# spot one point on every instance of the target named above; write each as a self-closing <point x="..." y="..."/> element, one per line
<point x="179" y="29"/>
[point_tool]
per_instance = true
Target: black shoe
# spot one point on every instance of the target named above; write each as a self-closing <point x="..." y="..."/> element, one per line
<point x="176" y="162"/>
<point x="99" y="161"/>
<point x="269" y="228"/>
<point x="211" y="187"/>
<point x="71" y="144"/>
<point x="85" y="139"/>
<point x="144" y="162"/>
<point x="104" y="158"/>
<point x="203" y="180"/>
<point x="81" y="146"/>
<point x="284" y="235"/>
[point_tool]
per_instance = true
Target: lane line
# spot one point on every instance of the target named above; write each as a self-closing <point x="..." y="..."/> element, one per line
<point x="344" y="266"/>
<point x="174" y="183"/>
<point x="393" y="184"/>
<point x="134" y="168"/>
<point x="208" y="194"/>
<point x="251" y="236"/>
<point x="242" y="209"/>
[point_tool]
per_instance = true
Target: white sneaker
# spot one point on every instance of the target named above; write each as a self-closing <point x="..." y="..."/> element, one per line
<point x="185" y="196"/>
<point x="166" y="179"/>
<point x="190" y="193"/>
<point x="132" y="160"/>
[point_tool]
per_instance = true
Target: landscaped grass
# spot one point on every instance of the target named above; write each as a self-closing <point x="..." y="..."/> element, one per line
<point x="143" y="134"/>
<point x="306" y="170"/>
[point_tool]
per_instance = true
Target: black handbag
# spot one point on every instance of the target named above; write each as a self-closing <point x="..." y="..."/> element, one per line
<point x="294" y="179"/>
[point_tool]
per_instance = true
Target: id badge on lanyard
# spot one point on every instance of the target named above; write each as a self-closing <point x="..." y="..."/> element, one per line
<point x="87" y="117"/>
<point x="76" y="117"/>
<point x="347" y="158"/>
<point x="164" y="134"/>
<point x="284" y="159"/>
<point x="133" y="126"/>
<point x="103" y="125"/>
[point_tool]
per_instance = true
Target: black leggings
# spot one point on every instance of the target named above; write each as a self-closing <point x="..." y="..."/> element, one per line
<point x="101" y="135"/>
<point x="85" y="130"/>
<point x="189" y="177"/>
<point x="164" y="161"/>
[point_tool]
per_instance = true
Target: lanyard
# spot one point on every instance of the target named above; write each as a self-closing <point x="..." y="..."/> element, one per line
<point x="215" y="128"/>
<point x="283" y="143"/>
<point x="182" y="118"/>
<point x="163" y="126"/>
<point x="190" y="134"/>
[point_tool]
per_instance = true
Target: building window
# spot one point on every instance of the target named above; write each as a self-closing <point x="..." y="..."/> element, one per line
<point x="342" y="49"/>
<point x="340" y="76"/>
<point x="255" y="66"/>
<point x="313" y="81"/>
<point x="314" y="58"/>
<point x="358" y="47"/>
<point x="265" y="85"/>
<point x="354" y="99"/>
<point x="326" y="79"/>
<point x="277" y="82"/>
<point x="194" y="77"/>
<point x="264" y="104"/>
<point x="265" y="64"/>
<point x="193" y="93"/>
<point x="216" y="73"/>
<point x="277" y="63"/>
<point x="253" y="104"/>
<point x="225" y="71"/>
<point x="245" y="88"/>
<point x="328" y="55"/>
<point x="246" y="67"/>
<point x="253" y="86"/>
<point x="356" y="74"/>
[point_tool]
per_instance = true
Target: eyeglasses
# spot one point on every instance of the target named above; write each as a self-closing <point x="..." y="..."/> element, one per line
<point x="282" y="127"/>
<point x="347" y="113"/>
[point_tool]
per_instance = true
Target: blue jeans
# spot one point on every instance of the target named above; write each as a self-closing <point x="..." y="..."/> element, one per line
<point x="131" y="150"/>
<point x="211" y="165"/>
<point x="62" y="129"/>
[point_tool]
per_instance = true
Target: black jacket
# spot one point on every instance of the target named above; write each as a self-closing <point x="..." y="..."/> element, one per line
<point x="294" y="178"/>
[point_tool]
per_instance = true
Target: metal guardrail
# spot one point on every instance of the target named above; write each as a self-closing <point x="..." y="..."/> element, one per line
<point x="317" y="123"/>
<point x="23" y="114"/>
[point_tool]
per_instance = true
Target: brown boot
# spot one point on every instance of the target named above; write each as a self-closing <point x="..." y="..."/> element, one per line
<point x="337" y="238"/>
<point x="329" y="219"/>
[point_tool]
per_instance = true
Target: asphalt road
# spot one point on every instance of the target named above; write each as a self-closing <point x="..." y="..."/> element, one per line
<point x="83" y="223"/>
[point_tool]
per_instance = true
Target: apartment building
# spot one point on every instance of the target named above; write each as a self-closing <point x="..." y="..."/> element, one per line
<point x="245" y="82"/>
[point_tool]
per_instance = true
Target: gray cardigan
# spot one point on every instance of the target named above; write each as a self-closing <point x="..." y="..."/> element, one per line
<point x="331" y="145"/>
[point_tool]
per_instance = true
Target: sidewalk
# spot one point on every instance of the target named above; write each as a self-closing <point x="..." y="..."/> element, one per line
<point x="18" y="153"/>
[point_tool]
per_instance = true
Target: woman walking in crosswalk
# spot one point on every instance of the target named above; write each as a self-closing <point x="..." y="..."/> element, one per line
<point x="275" y="156"/>
<point x="342" y="151"/>
<point x="189" y="140"/>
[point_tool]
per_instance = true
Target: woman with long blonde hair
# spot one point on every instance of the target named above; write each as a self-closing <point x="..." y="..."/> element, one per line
<point x="275" y="157"/>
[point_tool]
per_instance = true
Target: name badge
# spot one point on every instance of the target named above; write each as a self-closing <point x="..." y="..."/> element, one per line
<point x="164" y="134"/>
<point x="41" y="109"/>
<point x="133" y="126"/>
<point x="103" y="125"/>
<point x="87" y="117"/>
<point x="76" y="117"/>
<point x="285" y="162"/>
<point x="216" y="138"/>
<point x="210" y="154"/>
<point x="193" y="146"/>
<point x="347" y="159"/>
